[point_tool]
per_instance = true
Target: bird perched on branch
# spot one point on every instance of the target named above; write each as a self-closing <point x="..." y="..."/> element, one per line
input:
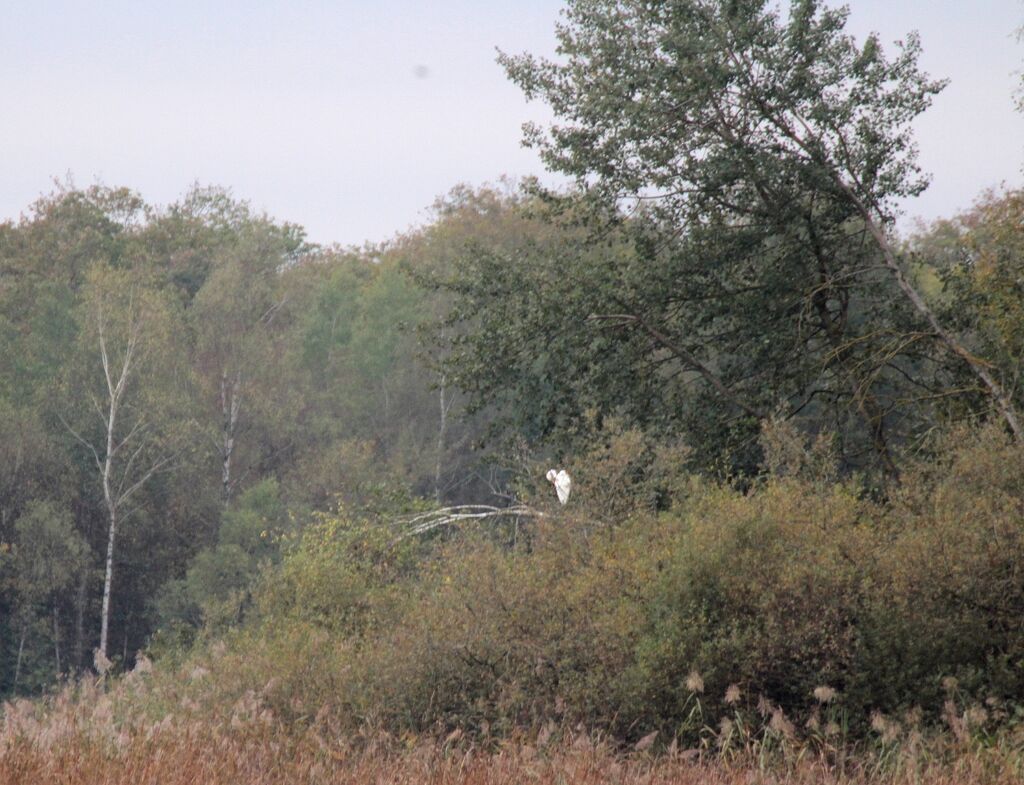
<point x="562" y="482"/>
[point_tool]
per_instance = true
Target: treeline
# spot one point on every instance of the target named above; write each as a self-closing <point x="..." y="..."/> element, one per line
<point x="254" y="380"/>
<point x="181" y="386"/>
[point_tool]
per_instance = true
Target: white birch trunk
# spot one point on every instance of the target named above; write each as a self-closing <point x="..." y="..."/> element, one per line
<point x="230" y="405"/>
<point x="114" y="391"/>
<point x="441" y="438"/>
<point x="120" y="459"/>
<point x="108" y="580"/>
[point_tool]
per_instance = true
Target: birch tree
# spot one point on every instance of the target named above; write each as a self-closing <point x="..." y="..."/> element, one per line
<point x="124" y="382"/>
<point x="236" y="318"/>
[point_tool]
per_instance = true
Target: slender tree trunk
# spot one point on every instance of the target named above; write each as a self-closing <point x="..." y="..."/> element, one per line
<point x="875" y="419"/>
<point x="230" y="405"/>
<point x="442" y="433"/>
<point x="56" y="637"/>
<point x="124" y="650"/>
<point x="83" y="586"/>
<point x="120" y="477"/>
<point x="114" y="391"/>
<point x="108" y="579"/>
<point x="108" y="497"/>
<point x="867" y="404"/>
<point x="225" y="469"/>
<point x="21" y="651"/>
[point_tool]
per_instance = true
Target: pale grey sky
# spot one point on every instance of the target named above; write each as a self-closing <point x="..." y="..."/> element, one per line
<point x="350" y="117"/>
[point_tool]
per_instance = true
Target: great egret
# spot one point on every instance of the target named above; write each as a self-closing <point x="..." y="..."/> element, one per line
<point x="562" y="482"/>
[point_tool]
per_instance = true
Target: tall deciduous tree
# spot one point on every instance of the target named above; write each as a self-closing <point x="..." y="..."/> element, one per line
<point x="126" y="381"/>
<point x="236" y="317"/>
<point x="725" y="113"/>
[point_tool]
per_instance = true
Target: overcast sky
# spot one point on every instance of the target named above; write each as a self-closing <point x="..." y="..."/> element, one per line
<point x="351" y="117"/>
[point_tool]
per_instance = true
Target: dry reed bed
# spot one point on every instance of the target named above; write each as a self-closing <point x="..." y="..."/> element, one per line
<point x="106" y="733"/>
<point x="180" y="759"/>
<point x="260" y="753"/>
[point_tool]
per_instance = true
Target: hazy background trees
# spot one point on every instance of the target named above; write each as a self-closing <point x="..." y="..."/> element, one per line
<point x="180" y="387"/>
<point x="262" y="379"/>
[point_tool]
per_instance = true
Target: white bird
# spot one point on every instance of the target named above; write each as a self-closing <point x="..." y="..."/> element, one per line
<point x="562" y="482"/>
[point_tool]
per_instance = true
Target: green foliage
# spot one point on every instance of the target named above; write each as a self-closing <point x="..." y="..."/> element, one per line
<point x="47" y="558"/>
<point x="215" y="588"/>
<point x="256" y="523"/>
<point x="978" y="256"/>
<point x="344" y="568"/>
<point x="48" y="554"/>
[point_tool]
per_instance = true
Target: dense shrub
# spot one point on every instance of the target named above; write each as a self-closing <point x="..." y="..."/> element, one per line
<point x="733" y="605"/>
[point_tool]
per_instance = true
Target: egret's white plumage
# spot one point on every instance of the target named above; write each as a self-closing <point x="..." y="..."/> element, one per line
<point x="562" y="482"/>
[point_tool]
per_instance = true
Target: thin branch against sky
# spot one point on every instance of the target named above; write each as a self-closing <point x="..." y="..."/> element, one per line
<point x="351" y="117"/>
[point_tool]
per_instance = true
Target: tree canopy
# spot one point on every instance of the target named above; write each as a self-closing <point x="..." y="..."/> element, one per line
<point x="738" y="171"/>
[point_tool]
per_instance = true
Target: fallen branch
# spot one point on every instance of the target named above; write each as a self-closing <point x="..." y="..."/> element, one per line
<point x="451" y="516"/>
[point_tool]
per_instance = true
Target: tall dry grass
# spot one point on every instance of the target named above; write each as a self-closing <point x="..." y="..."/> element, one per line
<point x="89" y="734"/>
<point x="190" y="756"/>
